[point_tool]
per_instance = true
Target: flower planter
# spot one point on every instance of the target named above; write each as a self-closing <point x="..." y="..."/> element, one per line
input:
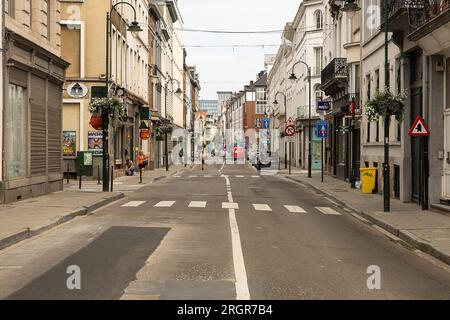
<point x="96" y="122"/>
<point x="145" y="134"/>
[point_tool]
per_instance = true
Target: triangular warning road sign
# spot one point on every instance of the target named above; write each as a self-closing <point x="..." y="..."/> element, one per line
<point x="419" y="128"/>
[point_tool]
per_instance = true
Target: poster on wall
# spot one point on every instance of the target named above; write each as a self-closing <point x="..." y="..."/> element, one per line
<point x="95" y="142"/>
<point x="69" y="143"/>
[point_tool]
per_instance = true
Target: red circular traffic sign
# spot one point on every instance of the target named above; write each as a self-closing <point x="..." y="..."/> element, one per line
<point x="290" y="130"/>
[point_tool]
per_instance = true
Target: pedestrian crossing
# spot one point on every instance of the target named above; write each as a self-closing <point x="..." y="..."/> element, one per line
<point x="257" y="207"/>
<point x="192" y="176"/>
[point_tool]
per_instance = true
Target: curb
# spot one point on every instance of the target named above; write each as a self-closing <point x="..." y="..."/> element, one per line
<point x="22" y="235"/>
<point x="404" y="235"/>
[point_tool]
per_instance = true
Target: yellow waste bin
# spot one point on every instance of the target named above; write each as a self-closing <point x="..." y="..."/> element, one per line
<point x="368" y="179"/>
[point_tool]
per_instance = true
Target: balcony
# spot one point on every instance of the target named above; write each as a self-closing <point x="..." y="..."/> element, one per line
<point x="399" y="14"/>
<point x="434" y="15"/>
<point x="334" y="76"/>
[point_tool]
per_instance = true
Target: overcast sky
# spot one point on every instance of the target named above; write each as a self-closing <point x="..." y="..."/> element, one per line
<point x="229" y="69"/>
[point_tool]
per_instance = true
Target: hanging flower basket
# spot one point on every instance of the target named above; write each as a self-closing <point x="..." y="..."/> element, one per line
<point x="385" y="104"/>
<point x="145" y="134"/>
<point x="96" y="121"/>
<point x="163" y="128"/>
<point x="108" y="105"/>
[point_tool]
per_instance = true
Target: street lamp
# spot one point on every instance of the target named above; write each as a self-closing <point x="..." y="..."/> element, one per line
<point x="294" y="77"/>
<point x="275" y="102"/>
<point x="133" y="27"/>
<point x="166" y="149"/>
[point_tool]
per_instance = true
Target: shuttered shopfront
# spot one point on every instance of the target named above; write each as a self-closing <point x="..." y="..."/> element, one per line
<point x="33" y="121"/>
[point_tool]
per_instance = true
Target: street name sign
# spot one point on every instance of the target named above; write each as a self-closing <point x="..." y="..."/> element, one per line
<point x="322" y="129"/>
<point x="323" y="105"/>
<point x="419" y="128"/>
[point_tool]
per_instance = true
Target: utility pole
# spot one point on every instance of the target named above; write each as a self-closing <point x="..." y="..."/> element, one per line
<point x="386" y="169"/>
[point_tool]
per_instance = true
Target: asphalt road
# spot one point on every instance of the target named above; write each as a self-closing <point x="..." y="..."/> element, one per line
<point x="221" y="233"/>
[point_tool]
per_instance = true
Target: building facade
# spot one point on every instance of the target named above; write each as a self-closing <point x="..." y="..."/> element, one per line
<point x="33" y="77"/>
<point x="302" y="43"/>
<point x="83" y="27"/>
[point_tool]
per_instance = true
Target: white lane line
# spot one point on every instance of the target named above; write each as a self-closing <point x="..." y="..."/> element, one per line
<point x="197" y="204"/>
<point x="239" y="176"/>
<point x="192" y="176"/>
<point x="328" y="210"/>
<point x="261" y="207"/>
<point x="133" y="204"/>
<point x="295" y="209"/>
<point x="230" y="205"/>
<point x="255" y="176"/>
<point x="242" y="291"/>
<point x="164" y="204"/>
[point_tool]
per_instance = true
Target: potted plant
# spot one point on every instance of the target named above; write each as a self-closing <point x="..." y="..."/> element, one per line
<point x="106" y="105"/>
<point x="385" y="104"/>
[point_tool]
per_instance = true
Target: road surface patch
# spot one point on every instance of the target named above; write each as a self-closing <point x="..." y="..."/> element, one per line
<point x="107" y="265"/>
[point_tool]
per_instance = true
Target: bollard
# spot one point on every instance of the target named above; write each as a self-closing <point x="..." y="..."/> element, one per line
<point x="81" y="173"/>
<point x="112" y="177"/>
<point x="98" y="174"/>
<point x="140" y="174"/>
<point x="67" y="173"/>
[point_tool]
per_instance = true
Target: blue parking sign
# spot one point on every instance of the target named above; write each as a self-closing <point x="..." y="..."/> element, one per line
<point x="266" y="123"/>
<point x="322" y="129"/>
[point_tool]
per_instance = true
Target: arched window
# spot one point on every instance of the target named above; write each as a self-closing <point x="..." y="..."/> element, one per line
<point x="319" y="19"/>
<point x="318" y="91"/>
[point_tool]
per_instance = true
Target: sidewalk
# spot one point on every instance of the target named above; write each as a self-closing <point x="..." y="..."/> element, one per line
<point x="424" y="230"/>
<point x="30" y="217"/>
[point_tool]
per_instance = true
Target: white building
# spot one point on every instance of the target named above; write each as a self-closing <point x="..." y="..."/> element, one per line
<point x="302" y="43"/>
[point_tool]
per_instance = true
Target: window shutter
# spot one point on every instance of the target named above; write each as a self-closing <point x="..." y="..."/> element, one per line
<point x="38" y="141"/>
<point x="54" y="128"/>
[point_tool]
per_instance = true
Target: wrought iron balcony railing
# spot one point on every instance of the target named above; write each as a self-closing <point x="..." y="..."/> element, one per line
<point x="336" y="72"/>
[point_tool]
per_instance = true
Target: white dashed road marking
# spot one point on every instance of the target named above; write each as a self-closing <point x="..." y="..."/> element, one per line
<point x="230" y="205"/>
<point x="164" y="204"/>
<point x="197" y="204"/>
<point x="133" y="204"/>
<point x="239" y="176"/>
<point x="295" y="209"/>
<point x="255" y="176"/>
<point x="261" y="207"/>
<point x="328" y="210"/>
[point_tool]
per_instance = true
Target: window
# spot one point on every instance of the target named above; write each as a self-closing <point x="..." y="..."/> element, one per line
<point x="318" y="55"/>
<point x="341" y="140"/>
<point x="261" y="100"/>
<point x="377" y="88"/>
<point x="319" y="93"/>
<point x="16" y="124"/>
<point x="10" y="7"/>
<point x="368" y="98"/>
<point x="319" y="19"/>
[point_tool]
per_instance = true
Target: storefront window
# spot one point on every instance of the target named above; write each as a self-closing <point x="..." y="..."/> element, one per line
<point x="16" y="126"/>
<point x="341" y="140"/>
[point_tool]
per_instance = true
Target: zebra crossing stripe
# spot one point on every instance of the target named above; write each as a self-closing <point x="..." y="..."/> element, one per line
<point x="133" y="204"/>
<point x="295" y="209"/>
<point x="230" y="205"/>
<point x="164" y="204"/>
<point x="261" y="207"/>
<point x="328" y="210"/>
<point x="197" y="204"/>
